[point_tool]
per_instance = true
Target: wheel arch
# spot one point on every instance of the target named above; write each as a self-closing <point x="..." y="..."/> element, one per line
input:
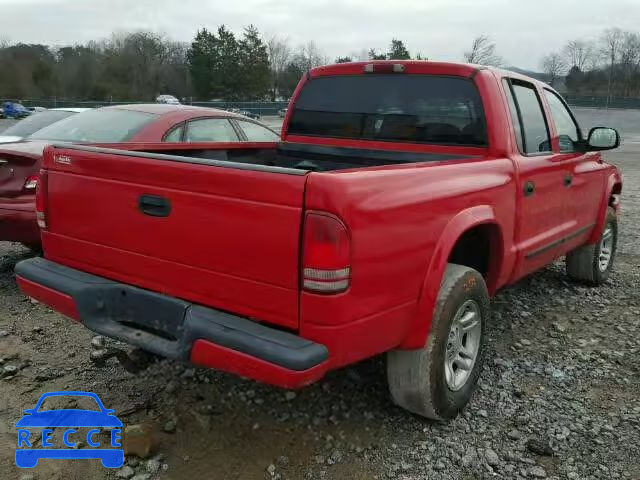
<point x="478" y="220"/>
<point x="613" y="187"/>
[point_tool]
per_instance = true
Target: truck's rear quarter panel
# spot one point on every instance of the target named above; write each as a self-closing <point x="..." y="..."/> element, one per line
<point x="396" y="216"/>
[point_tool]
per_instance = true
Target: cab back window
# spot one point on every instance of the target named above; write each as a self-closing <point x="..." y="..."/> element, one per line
<point x="391" y="107"/>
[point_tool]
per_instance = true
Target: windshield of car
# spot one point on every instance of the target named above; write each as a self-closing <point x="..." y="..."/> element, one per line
<point x="392" y="107"/>
<point x="35" y="122"/>
<point x="65" y="402"/>
<point x="107" y="125"/>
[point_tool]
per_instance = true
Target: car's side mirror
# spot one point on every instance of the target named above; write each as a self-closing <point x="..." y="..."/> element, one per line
<point x="603" y="138"/>
<point x="29" y="411"/>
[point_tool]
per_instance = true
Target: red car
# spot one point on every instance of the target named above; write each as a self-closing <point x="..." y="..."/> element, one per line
<point x="154" y="123"/>
<point x="403" y="196"/>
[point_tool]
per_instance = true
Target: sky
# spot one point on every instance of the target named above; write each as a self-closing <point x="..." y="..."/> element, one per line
<point x="523" y="30"/>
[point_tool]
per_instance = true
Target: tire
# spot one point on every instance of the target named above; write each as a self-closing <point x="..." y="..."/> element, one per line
<point x="584" y="263"/>
<point x="418" y="379"/>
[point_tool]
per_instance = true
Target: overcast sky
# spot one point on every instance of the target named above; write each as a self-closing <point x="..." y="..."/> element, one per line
<point x="524" y="30"/>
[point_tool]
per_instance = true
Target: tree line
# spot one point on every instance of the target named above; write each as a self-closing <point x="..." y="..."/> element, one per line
<point x="608" y="65"/>
<point x="133" y="66"/>
<point x="222" y="65"/>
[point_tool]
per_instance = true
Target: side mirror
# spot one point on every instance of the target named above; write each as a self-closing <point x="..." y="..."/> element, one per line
<point x="603" y="138"/>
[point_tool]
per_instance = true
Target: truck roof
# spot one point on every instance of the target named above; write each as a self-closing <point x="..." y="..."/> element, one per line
<point x="424" y="67"/>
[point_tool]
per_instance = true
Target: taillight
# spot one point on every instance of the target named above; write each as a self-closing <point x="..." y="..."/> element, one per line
<point x="326" y="254"/>
<point x="31" y="182"/>
<point x="41" y="193"/>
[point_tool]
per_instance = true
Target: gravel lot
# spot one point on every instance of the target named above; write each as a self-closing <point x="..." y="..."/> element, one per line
<point x="559" y="396"/>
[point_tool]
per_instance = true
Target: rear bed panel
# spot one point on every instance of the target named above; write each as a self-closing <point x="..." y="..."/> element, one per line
<point x="230" y="241"/>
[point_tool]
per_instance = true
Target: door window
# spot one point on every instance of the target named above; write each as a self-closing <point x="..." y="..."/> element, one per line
<point x="533" y="126"/>
<point x="566" y="127"/>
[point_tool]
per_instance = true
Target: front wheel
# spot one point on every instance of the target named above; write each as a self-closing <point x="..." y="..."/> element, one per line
<point x="437" y="381"/>
<point x="592" y="264"/>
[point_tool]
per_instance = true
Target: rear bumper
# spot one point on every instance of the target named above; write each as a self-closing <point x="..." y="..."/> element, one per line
<point x="175" y="328"/>
<point x="18" y="222"/>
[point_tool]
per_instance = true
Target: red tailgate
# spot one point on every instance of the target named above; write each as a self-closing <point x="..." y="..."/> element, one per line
<point x="213" y="233"/>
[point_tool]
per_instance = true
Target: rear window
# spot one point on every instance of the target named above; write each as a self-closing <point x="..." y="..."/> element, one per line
<point x="36" y="122"/>
<point x="393" y="107"/>
<point x="109" y="125"/>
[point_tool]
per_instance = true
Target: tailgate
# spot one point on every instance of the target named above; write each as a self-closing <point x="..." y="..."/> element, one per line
<point x="217" y="233"/>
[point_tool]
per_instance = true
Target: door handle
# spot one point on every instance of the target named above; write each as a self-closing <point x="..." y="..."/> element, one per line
<point x="529" y="189"/>
<point x="154" y="205"/>
<point x="568" y="180"/>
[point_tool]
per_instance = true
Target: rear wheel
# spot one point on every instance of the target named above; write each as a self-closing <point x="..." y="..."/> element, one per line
<point x="593" y="263"/>
<point x="438" y="380"/>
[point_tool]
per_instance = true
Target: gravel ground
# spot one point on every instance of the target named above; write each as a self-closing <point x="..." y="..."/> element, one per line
<point x="559" y="396"/>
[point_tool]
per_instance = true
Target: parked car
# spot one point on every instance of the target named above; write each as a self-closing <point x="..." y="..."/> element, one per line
<point x="248" y="113"/>
<point x="152" y="123"/>
<point x="403" y="196"/>
<point x="283" y="112"/>
<point x="168" y="99"/>
<point x="35" y="122"/>
<point x="36" y="109"/>
<point x="14" y="110"/>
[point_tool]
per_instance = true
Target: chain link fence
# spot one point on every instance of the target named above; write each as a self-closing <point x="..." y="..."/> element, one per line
<point x="272" y="108"/>
<point x="603" y="102"/>
<point x="263" y="109"/>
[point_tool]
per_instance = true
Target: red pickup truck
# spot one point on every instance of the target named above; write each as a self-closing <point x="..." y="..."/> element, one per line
<point x="401" y="197"/>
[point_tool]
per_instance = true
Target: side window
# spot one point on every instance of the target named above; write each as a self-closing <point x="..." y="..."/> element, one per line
<point x="174" y="135"/>
<point x="210" y="130"/>
<point x="515" y="116"/>
<point x="258" y="133"/>
<point x="535" y="134"/>
<point x="566" y="127"/>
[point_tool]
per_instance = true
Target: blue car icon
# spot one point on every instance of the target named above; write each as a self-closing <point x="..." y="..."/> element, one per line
<point x="28" y="456"/>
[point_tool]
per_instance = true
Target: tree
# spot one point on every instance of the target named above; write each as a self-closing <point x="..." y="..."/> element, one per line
<point x="290" y="77"/>
<point x="309" y="56"/>
<point x="397" y="51"/>
<point x="554" y="66"/>
<point x="629" y="62"/>
<point x="575" y="80"/>
<point x="374" y="55"/>
<point x="579" y="53"/>
<point x="254" y="65"/>
<point x="202" y="57"/>
<point x="228" y="81"/>
<point x="343" y="60"/>
<point x="79" y="70"/>
<point x="279" y="56"/>
<point x="134" y="64"/>
<point x="27" y="71"/>
<point x="611" y="38"/>
<point x="483" y="52"/>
